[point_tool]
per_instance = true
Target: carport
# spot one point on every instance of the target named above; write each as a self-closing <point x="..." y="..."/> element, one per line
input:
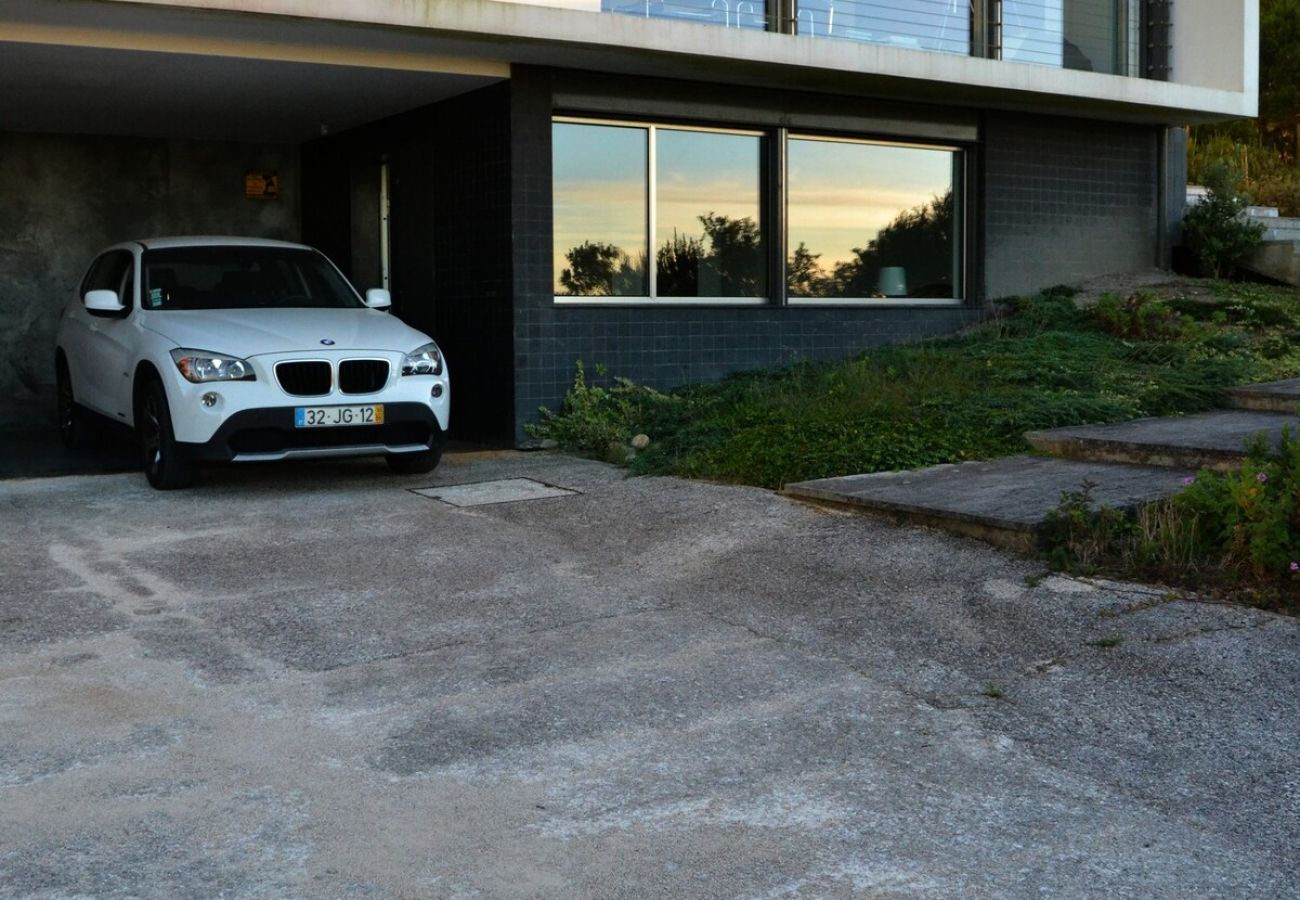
<point x="123" y="120"/>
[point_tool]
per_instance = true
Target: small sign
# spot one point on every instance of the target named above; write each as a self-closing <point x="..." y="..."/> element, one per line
<point x="262" y="185"/>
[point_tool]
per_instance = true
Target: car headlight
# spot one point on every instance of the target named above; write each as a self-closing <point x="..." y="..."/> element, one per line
<point x="201" y="366"/>
<point x="426" y="360"/>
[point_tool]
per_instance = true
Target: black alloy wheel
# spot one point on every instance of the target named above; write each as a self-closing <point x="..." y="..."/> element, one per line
<point x="165" y="463"/>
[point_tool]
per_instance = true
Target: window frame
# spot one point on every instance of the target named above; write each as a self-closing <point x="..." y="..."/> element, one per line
<point x="961" y="219"/>
<point x="651" y="175"/>
<point x="774" y="210"/>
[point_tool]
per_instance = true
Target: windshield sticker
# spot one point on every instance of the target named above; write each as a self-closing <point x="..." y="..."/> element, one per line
<point x="155" y="298"/>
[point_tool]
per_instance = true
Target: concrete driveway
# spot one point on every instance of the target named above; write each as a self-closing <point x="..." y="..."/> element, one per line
<point x="311" y="682"/>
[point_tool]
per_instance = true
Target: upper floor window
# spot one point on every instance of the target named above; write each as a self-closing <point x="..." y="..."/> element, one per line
<point x="728" y="13"/>
<point x="942" y="25"/>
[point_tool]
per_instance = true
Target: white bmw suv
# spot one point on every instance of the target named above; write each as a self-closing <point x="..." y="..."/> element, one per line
<point x="233" y="349"/>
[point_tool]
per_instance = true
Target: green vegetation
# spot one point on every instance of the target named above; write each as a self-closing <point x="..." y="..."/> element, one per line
<point x="1043" y="363"/>
<point x="1235" y="533"/>
<point x="1215" y="229"/>
<point x="1108" y="642"/>
<point x="993" y="691"/>
<point x="1265" y="152"/>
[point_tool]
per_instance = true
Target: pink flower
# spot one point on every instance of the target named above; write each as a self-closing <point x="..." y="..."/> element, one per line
<point x="1261" y="477"/>
<point x="1295" y="567"/>
<point x="1190" y="479"/>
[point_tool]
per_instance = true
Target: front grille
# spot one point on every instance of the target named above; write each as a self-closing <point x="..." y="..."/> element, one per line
<point x="304" y="379"/>
<point x="362" y="376"/>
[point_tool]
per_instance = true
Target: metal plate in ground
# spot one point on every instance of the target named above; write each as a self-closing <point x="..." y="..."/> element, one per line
<point x="485" y="493"/>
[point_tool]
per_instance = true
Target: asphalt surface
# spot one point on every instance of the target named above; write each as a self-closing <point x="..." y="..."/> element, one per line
<point x="310" y="681"/>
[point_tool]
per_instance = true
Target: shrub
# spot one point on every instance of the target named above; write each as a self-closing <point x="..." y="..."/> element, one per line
<point x="1215" y="229"/>
<point x="1236" y="531"/>
<point x="600" y="421"/>
<point x="1141" y="317"/>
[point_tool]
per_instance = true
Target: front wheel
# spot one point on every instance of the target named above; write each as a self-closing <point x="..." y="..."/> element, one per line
<point x="420" y="463"/>
<point x="165" y="464"/>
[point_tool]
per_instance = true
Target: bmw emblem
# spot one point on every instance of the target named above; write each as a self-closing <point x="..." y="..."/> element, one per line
<point x="327" y="342"/>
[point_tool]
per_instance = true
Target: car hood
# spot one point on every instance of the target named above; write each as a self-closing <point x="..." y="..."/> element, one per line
<point x="252" y="332"/>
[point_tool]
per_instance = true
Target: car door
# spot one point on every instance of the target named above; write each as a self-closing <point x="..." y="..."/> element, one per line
<point x="109" y="344"/>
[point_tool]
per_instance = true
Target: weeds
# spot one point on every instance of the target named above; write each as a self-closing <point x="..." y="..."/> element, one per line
<point x="1041" y="363"/>
<point x="1235" y="533"/>
<point x="1108" y="642"/>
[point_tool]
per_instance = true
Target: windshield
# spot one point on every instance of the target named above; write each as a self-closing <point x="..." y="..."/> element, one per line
<point x="234" y="277"/>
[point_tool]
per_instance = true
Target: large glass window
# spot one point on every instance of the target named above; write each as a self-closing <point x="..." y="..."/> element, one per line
<point x="942" y="25"/>
<point x="729" y="13"/>
<point x="1089" y="35"/>
<point x="708" y="233"/>
<point x="870" y="220"/>
<point x="601" y="217"/>
<point x="699" y="192"/>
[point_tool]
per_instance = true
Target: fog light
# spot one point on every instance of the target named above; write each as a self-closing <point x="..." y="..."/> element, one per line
<point x="436" y="391"/>
<point x="210" y="399"/>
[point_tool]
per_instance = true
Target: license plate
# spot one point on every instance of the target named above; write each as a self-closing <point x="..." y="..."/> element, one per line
<point x="331" y="416"/>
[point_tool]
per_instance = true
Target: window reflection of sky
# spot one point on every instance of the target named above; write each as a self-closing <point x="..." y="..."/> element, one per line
<point x="599" y="188"/>
<point x="700" y="173"/>
<point x="841" y="194"/>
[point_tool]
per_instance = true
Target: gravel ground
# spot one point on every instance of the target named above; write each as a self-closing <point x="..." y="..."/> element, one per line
<point x="310" y="681"/>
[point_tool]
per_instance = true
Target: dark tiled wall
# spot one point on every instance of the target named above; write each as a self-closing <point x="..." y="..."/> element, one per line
<point x="472" y="259"/>
<point x="1066" y="199"/>
<point x="449" y="166"/>
<point x="666" y="346"/>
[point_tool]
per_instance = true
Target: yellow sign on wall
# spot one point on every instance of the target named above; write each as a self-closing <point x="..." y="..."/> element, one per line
<point x="262" y="185"/>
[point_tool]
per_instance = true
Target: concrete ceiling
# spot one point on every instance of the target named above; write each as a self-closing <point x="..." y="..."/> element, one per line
<point x="63" y="89"/>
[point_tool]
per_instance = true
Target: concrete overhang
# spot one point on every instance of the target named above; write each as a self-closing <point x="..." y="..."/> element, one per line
<point x="339" y="62"/>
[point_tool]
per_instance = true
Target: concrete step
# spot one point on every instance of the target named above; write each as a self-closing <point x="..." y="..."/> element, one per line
<point x="1277" y="259"/>
<point x="1272" y="396"/>
<point x="1002" y="501"/>
<point x="1262" y="212"/>
<point x="1213" y="440"/>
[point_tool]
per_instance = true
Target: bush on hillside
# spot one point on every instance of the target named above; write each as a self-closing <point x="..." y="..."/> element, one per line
<point x="1215" y="229"/>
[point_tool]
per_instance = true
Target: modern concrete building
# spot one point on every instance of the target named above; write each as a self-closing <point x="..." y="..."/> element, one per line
<point x="672" y="188"/>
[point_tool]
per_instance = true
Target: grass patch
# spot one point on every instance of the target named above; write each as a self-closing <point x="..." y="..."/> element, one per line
<point x="1230" y="534"/>
<point x="1043" y="363"/>
<point x="1108" y="642"/>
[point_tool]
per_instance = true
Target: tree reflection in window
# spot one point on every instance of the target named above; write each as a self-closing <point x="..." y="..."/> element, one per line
<point x="705" y="192"/>
<point x="872" y="220"/>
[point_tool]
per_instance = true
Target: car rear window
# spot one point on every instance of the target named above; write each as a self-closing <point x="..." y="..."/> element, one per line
<point x="234" y="277"/>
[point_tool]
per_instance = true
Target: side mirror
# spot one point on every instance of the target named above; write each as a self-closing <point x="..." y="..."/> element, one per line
<point x="103" y="301"/>
<point x="378" y="298"/>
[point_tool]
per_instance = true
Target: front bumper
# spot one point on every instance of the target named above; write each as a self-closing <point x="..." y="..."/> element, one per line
<point x="265" y="435"/>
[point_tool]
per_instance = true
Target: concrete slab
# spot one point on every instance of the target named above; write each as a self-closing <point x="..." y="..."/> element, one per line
<point x="1212" y="440"/>
<point x="306" y="681"/>
<point x="1004" y="501"/>
<point x="486" y="493"/>
<point x="1270" y="396"/>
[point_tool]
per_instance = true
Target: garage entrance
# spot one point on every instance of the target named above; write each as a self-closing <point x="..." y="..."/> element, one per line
<point x="256" y="129"/>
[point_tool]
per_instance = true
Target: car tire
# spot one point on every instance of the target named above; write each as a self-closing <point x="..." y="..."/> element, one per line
<point x="415" y="463"/>
<point x="165" y="463"/>
<point x="73" y="426"/>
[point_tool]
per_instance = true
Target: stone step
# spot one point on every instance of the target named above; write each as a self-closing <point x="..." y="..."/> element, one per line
<point x="1272" y="396"/>
<point x="1002" y="501"/>
<point x="1213" y="440"/>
